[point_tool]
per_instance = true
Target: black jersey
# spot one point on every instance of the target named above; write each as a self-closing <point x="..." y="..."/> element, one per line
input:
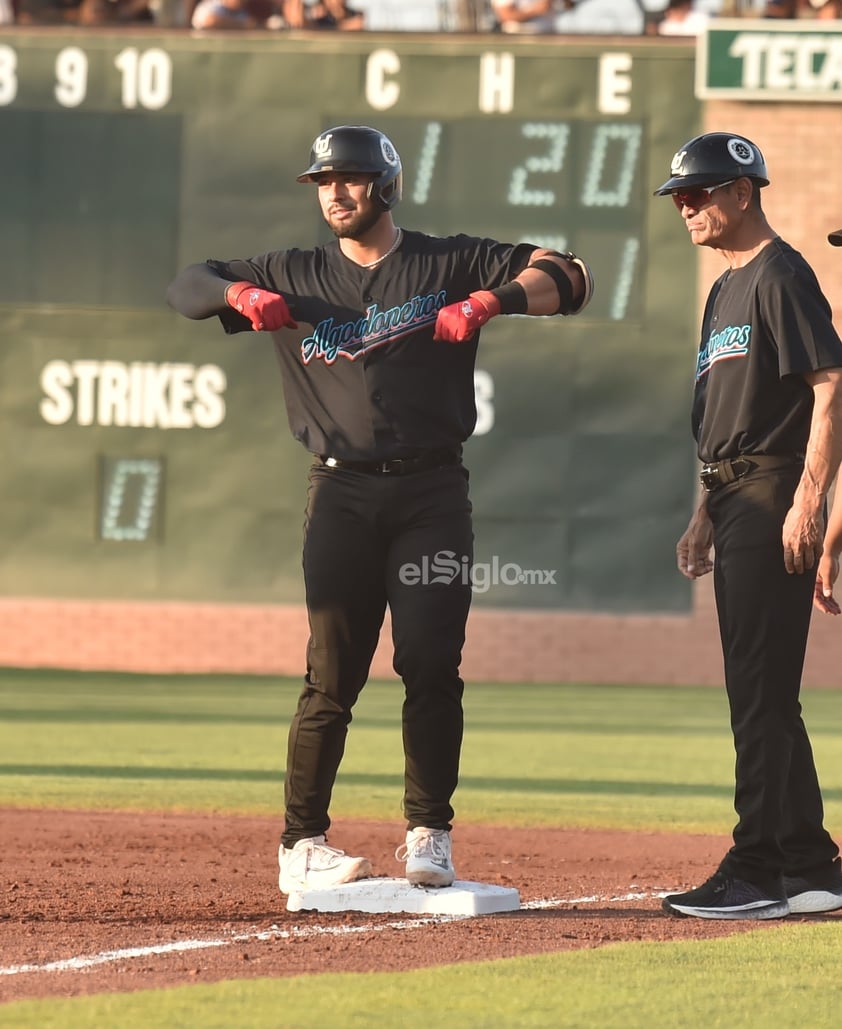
<point x="765" y="326"/>
<point x="366" y="380"/>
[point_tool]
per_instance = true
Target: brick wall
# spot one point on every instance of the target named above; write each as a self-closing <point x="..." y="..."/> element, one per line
<point x="502" y="646"/>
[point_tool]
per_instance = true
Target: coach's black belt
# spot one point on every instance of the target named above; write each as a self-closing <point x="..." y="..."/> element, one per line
<point x="397" y="466"/>
<point x="717" y="474"/>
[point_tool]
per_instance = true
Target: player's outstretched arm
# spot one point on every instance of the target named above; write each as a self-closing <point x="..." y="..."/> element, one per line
<point x="552" y="283"/>
<point x="201" y="292"/>
<point x="551" y="278"/>
<point x="198" y="291"/>
<point x="267" y="311"/>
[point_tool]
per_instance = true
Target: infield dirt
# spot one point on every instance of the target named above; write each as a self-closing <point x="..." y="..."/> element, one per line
<point x="79" y="884"/>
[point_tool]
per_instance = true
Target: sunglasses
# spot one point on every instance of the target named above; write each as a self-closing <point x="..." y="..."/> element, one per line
<point x="698" y="196"/>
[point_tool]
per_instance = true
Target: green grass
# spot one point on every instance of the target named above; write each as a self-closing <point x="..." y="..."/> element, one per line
<point x="776" y="977"/>
<point x="609" y="756"/>
<point x="622" y="756"/>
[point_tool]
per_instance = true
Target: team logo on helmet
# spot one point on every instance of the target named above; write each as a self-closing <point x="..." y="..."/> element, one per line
<point x="323" y="147"/>
<point x="390" y="155"/>
<point x="740" y="150"/>
<point x="677" y="162"/>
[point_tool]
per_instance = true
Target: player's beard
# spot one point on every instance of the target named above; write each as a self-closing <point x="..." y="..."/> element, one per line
<point x="358" y="226"/>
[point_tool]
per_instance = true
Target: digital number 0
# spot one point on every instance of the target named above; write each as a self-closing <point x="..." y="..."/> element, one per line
<point x="124" y="483"/>
<point x="627" y="137"/>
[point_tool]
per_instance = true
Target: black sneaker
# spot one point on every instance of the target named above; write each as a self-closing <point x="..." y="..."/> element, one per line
<point x="813" y="894"/>
<point x="723" y="896"/>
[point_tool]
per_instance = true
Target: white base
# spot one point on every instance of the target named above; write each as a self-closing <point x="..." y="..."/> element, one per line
<point x="386" y="895"/>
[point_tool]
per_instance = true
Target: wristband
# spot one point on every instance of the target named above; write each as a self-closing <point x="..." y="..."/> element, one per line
<point x="512" y="298"/>
<point x="241" y="286"/>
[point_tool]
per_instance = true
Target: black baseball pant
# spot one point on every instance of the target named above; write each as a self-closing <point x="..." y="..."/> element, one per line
<point x="764" y="617"/>
<point x="373" y="540"/>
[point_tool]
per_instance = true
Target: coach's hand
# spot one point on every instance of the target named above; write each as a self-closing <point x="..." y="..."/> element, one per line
<point x="457" y="323"/>
<point x="265" y="310"/>
<point x="828" y="573"/>
<point x="693" y="550"/>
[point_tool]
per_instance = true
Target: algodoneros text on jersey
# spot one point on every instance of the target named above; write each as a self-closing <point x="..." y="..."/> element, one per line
<point x="376" y="334"/>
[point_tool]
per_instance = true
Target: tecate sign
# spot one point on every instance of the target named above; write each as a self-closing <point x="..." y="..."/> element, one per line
<point x="765" y="60"/>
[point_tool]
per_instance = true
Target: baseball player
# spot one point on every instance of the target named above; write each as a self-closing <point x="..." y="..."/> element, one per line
<point x="378" y="384"/>
<point x="767" y="413"/>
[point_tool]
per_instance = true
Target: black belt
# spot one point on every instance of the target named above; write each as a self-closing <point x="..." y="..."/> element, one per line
<point x="397" y="466"/>
<point x="717" y="474"/>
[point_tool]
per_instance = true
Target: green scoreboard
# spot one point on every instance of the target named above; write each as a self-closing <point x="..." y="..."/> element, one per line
<point x="148" y="457"/>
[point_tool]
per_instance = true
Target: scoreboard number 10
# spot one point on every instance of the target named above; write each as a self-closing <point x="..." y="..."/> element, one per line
<point x="145" y="77"/>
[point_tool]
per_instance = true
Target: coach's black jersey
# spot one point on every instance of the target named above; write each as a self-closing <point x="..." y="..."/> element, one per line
<point x="765" y="326"/>
<point x="364" y="379"/>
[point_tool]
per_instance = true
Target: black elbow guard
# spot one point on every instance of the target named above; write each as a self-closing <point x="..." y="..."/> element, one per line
<point x="566" y="302"/>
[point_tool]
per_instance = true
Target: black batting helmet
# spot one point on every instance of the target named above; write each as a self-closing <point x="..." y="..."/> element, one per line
<point x="358" y="148"/>
<point x="715" y="157"/>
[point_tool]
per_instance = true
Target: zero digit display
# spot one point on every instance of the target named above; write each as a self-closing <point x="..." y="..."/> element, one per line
<point x="136" y="153"/>
<point x="131" y="499"/>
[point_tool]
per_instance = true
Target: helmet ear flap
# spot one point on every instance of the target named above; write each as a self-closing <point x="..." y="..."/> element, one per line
<point x="389" y="194"/>
<point x="381" y="195"/>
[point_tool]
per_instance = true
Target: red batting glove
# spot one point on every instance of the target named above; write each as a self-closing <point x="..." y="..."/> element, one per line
<point x="263" y="309"/>
<point x="457" y="323"/>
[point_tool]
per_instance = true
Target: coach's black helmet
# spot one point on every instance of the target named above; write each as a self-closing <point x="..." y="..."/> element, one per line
<point x="358" y="148"/>
<point x="712" y="158"/>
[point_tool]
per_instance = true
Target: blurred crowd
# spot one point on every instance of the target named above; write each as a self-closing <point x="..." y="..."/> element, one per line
<point x="560" y="17"/>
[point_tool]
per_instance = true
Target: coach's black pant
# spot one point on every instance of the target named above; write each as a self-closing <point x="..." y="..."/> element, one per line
<point x="764" y="617"/>
<point x="372" y="540"/>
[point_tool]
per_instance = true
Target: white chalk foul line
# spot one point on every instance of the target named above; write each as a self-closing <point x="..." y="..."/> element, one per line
<point x="106" y="957"/>
<point x="275" y="933"/>
<point x="557" y="902"/>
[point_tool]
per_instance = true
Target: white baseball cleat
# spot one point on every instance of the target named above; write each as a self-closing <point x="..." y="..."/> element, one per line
<point x="427" y="853"/>
<point x="312" y="865"/>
